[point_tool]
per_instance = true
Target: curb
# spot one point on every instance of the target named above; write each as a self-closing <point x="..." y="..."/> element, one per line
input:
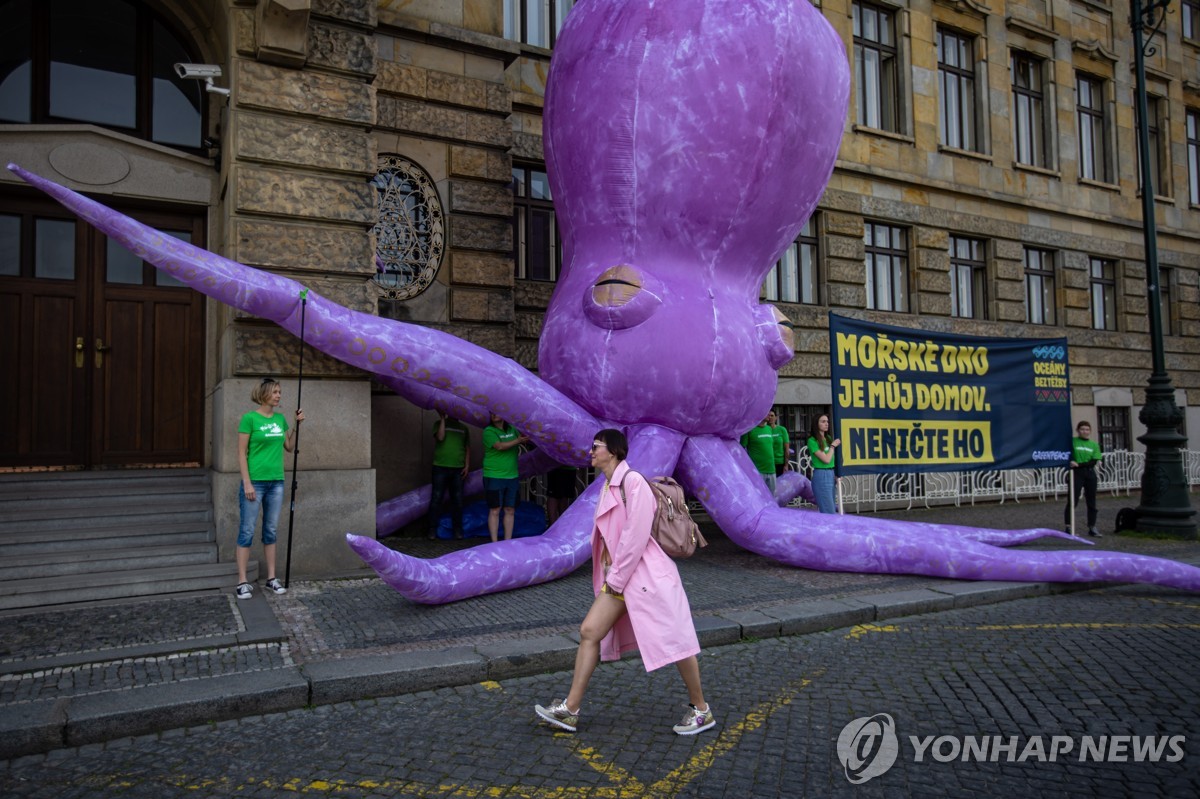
<point x="44" y="725"/>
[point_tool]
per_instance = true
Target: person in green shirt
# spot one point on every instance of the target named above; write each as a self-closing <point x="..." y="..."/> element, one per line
<point x="782" y="444"/>
<point x="500" y="477"/>
<point x="1085" y="456"/>
<point x="451" y="464"/>
<point x="760" y="446"/>
<point x="263" y="435"/>
<point x="821" y="446"/>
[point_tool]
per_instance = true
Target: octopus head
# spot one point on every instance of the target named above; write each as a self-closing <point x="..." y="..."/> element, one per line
<point x="687" y="142"/>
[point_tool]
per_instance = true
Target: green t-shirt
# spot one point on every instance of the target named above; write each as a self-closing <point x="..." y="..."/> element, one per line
<point x="760" y="445"/>
<point x="781" y="443"/>
<point x="499" y="463"/>
<point x="451" y="451"/>
<point x="264" y="455"/>
<point x="1085" y="451"/>
<point x="813" y="446"/>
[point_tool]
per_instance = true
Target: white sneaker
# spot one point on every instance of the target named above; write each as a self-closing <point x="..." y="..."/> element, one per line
<point x="244" y="591"/>
<point x="695" y="721"/>
<point x="276" y="586"/>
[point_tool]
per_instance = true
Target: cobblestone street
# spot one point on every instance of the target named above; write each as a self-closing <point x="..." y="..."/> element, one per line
<point x="1110" y="662"/>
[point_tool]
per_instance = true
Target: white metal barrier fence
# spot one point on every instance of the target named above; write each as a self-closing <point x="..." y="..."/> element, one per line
<point x="1119" y="473"/>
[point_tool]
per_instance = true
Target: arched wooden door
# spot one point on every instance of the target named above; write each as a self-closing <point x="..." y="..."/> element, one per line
<point x="103" y="355"/>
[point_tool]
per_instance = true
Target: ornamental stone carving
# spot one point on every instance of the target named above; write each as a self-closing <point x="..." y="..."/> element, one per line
<point x="410" y="236"/>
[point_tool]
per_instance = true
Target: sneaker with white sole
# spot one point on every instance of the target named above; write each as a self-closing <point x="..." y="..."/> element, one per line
<point x="558" y="715"/>
<point x="695" y="721"/>
<point x="274" y="585"/>
<point x="244" y="591"/>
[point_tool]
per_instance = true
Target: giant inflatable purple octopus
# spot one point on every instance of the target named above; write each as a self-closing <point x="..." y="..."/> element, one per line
<point x="686" y="141"/>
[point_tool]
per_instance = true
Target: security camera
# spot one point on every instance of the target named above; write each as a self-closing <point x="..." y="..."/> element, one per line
<point x="198" y="70"/>
<point x="204" y="72"/>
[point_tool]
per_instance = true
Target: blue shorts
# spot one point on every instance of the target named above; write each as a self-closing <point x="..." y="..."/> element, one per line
<point x="501" y="492"/>
<point x="268" y="496"/>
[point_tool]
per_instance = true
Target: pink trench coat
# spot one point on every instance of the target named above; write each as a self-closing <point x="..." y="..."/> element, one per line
<point x="659" y="621"/>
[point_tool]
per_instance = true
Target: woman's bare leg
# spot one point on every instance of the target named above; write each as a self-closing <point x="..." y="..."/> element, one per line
<point x="689" y="670"/>
<point x="604" y="613"/>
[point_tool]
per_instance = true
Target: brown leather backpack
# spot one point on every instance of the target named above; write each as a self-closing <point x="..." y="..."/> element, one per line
<point x="672" y="527"/>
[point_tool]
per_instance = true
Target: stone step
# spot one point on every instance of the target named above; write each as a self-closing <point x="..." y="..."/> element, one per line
<point x="86" y="561"/>
<point x="121" y="511"/>
<point x="104" y="537"/>
<point x="35" y="485"/>
<point x="69" y="589"/>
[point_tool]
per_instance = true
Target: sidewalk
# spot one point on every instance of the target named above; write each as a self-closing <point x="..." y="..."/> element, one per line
<point x="83" y="674"/>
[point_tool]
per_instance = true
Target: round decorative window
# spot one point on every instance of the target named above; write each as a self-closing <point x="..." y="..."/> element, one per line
<point x="410" y="234"/>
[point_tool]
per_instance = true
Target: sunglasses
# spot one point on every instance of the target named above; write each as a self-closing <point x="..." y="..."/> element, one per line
<point x="596" y="444"/>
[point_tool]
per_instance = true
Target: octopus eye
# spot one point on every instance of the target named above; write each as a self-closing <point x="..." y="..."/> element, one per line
<point x="776" y="334"/>
<point x="623" y="296"/>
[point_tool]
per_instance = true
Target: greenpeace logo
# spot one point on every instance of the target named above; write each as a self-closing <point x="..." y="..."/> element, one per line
<point x="1051" y="455"/>
<point x="867" y="747"/>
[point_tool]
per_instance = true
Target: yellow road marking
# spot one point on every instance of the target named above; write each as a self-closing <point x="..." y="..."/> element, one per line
<point x="491" y="685"/>
<point x="859" y="630"/>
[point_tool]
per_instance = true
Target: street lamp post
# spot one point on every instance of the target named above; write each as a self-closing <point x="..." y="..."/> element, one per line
<point x="1165" y="508"/>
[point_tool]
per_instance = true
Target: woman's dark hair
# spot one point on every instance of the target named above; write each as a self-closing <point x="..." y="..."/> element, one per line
<point x="814" y="429"/>
<point x="616" y="442"/>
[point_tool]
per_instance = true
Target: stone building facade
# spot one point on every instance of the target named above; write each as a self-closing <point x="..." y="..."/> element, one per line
<point x="445" y="97"/>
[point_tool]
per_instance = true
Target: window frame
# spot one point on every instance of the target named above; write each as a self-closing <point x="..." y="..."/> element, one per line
<point x="1102" y="292"/>
<point x="516" y="21"/>
<point x="523" y="207"/>
<point x="1029" y="100"/>
<point x="1190" y="20"/>
<point x="1159" y="154"/>
<point x="1192" y="138"/>
<point x="964" y="82"/>
<point x="1046" y="277"/>
<point x="895" y="259"/>
<point x="1092" y="118"/>
<point x="807" y="292"/>
<point x="1166" y="306"/>
<point x="974" y="268"/>
<point x="885" y="110"/>
<point x="148" y="22"/>
<point x="1113" y="428"/>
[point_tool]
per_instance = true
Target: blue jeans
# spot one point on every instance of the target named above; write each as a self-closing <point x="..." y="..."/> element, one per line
<point x="446" y="478"/>
<point x="270" y="499"/>
<point x="823" y="487"/>
<point x="501" y="492"/>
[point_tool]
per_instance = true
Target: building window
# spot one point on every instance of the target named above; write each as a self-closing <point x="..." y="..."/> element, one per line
<point x="105" y="62"/>
<point x="1093" y="130"/>
<point x="1158" y="157"/>
<point x="1029" y="122"/>
<point x="1191" y="19"/>
<point x="968" y="279"/>
<point x="1039" y="287"/>
<point x="887" y="267"/>
<point x="956" y="75"/>
<point x="876" y="67"/>
<point x="410" y="235"/>
<point x="793" y="278"/>
<point x="1193" y="155"/>
<point x="535" y="22"/>
<point x="1114" y="429"/>
<point x="537" y="250"/>
<point x="1166" y="278"/>
<point x="1104" y="294"/>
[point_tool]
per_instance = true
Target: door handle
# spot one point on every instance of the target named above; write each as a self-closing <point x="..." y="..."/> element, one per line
<point x="101" y="348"/>
<point x="79" y="353"/>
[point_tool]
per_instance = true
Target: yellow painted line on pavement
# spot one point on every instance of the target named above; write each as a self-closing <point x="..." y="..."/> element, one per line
<point x="859" y="630"/>
<point x="491" y="685"/>
<point x="1175" y="602"/>
<point x="624" y="785"/>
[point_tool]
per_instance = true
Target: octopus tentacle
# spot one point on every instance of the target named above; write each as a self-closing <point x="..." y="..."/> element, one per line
<point x="381" y="346"/>
<point x="790" y="485"/>
<point x="858" y="544"/>
<point x="394" y="513"/>
<point x="428" y="397"/>
<point x="506" y="565"/>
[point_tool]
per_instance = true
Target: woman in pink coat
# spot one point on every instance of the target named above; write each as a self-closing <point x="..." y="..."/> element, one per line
<point x="640" y="603"/>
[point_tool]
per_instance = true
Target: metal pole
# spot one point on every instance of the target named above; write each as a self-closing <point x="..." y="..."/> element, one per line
<point x="1165" y="508"/>
<point x="287" y="571"/>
